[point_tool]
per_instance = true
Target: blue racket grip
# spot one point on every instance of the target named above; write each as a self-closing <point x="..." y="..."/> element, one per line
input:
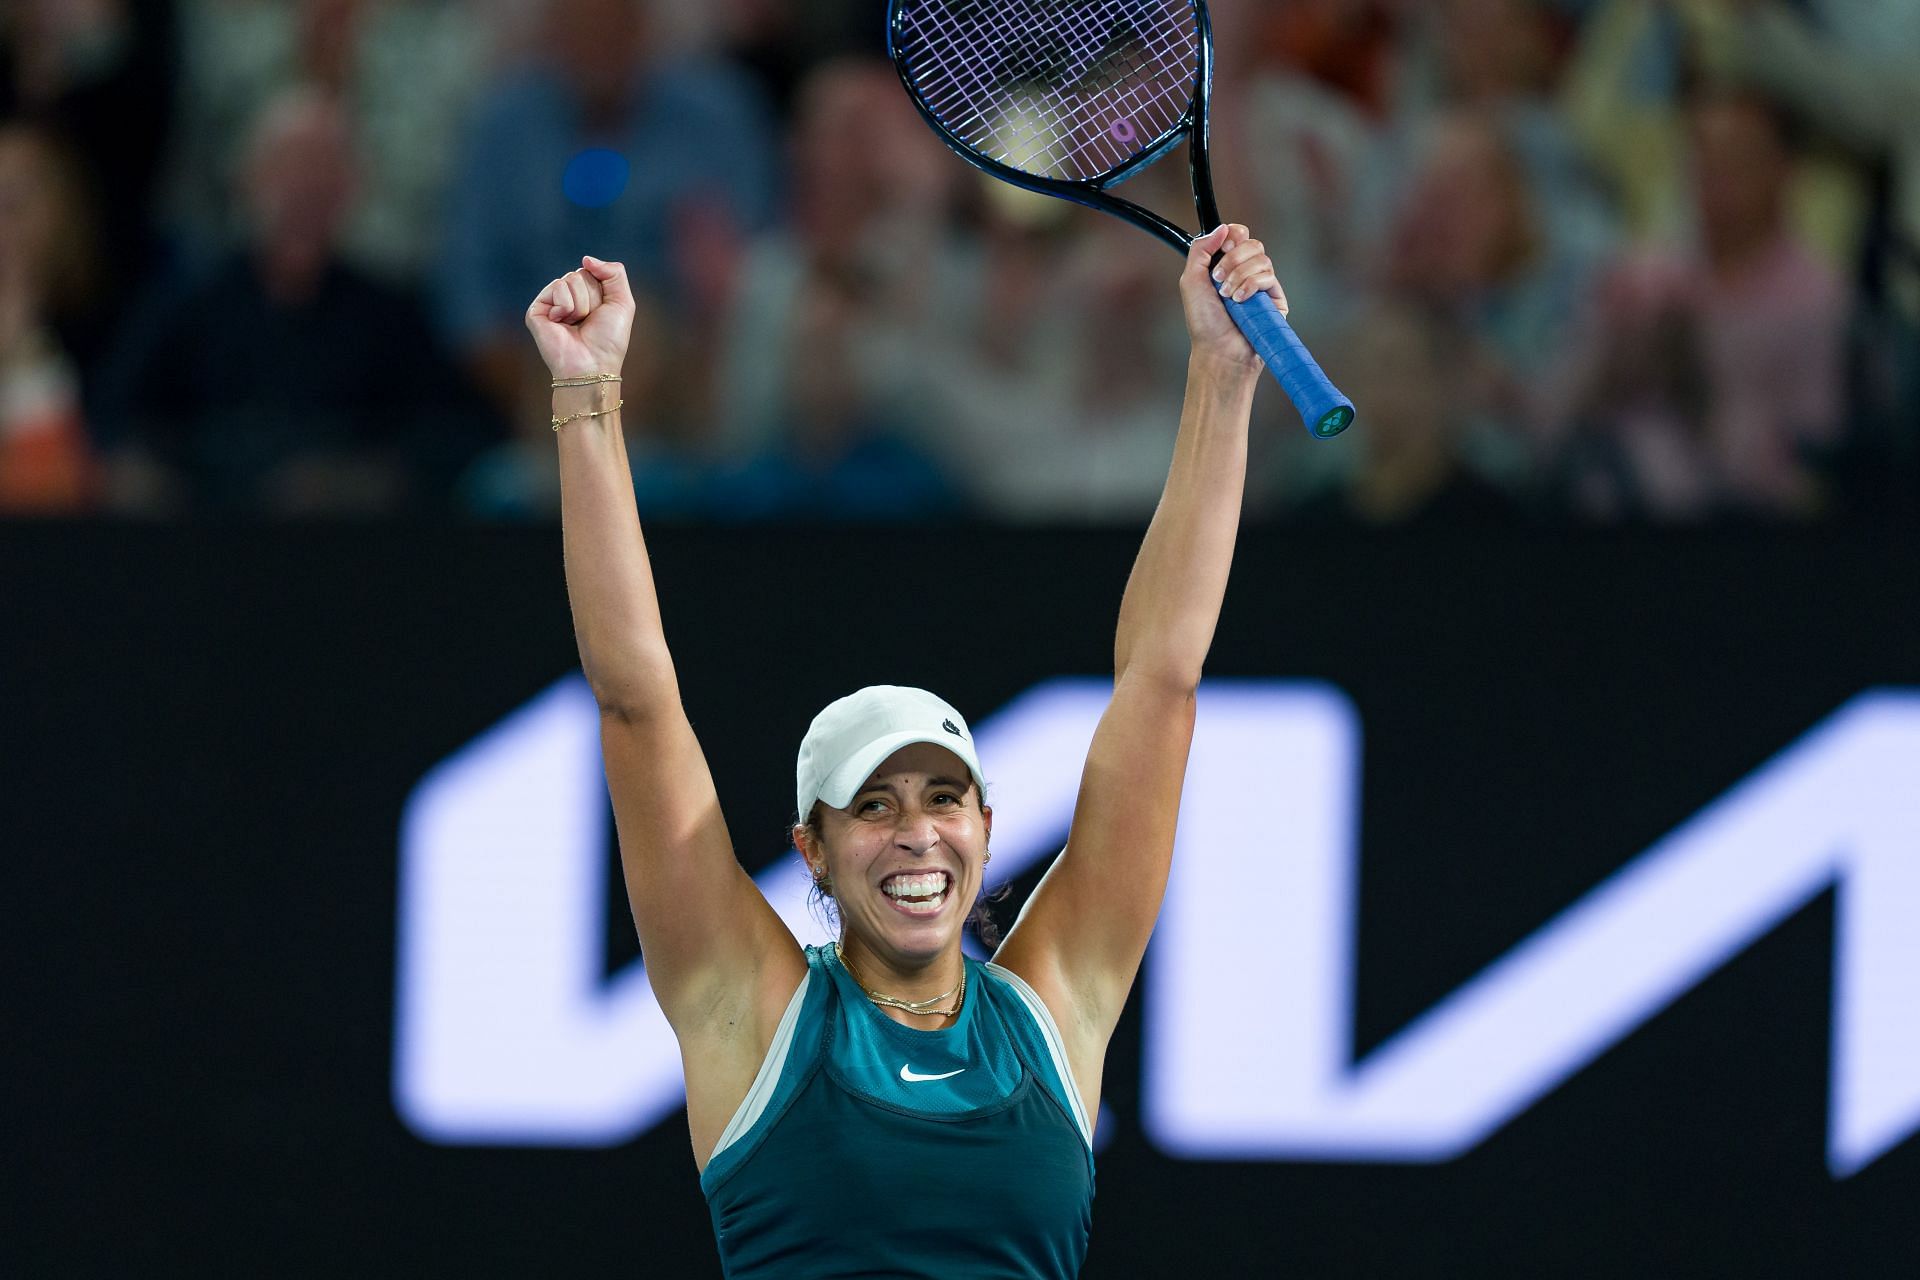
<point x="1325" y="411"/>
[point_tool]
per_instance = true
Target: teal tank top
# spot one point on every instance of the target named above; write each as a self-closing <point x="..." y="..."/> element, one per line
<point x="866" y="1148"/>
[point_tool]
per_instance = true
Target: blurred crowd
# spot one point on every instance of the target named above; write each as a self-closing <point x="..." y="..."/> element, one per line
<point x="1575" y="260"/>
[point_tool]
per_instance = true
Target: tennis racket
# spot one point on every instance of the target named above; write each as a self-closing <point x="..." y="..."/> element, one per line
<point x="1070" y="98"/>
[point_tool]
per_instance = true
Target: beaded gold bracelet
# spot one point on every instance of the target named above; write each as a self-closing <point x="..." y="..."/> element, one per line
<point x="595" y="413"/>
<point x="586" y="380"/>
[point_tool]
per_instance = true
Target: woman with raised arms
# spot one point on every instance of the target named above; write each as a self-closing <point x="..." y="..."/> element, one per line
<point x="884" y="1105"/>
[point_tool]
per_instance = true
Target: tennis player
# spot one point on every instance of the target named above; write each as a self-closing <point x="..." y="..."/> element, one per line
<point x="883" y="1105"/>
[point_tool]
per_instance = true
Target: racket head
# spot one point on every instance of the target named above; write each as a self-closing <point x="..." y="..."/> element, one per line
<point x="1064" y="97"/>
<point x="1071" y="97"/>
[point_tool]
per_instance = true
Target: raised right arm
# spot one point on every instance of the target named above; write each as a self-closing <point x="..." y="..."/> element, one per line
<point x="717" y="955"/>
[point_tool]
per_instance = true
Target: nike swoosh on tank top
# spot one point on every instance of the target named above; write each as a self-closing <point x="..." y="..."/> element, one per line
<point x="868" y="1148"/>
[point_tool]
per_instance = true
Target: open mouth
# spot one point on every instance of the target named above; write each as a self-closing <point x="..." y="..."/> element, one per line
<point x="920" y="893"/>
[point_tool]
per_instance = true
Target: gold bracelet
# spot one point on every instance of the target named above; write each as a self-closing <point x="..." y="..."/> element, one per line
<point x="597" y="413"/>
<point x="586" y="380"/>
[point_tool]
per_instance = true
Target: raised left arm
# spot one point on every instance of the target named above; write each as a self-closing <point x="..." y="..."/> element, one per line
<point x="1080" y="939"/>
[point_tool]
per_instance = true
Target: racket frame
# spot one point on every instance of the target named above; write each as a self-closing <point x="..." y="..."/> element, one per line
<point x="1092" y="192"/>
<point x="1330" y="412"/>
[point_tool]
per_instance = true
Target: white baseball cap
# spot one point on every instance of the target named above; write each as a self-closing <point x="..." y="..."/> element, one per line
<point x="852" y="736"/>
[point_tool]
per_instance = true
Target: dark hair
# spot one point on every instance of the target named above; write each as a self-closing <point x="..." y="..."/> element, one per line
<point x="821" y="903"/>
<point x="71" y="255"/>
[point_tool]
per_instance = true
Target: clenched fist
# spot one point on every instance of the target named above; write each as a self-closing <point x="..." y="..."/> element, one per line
<point x="583" y="321"/>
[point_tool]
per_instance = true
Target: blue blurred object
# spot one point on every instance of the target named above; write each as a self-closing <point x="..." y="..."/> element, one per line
<point x="595" y="178"/>
<point x="696" y="148"/>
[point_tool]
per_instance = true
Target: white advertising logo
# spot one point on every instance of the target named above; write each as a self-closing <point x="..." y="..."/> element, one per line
<point x="507" y="1032"/>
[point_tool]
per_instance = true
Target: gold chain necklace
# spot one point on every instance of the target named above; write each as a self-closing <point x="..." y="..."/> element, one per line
<point x="918" y="1008"/>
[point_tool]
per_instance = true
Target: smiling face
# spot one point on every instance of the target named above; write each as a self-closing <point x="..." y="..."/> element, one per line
<point x="905" y="857"/>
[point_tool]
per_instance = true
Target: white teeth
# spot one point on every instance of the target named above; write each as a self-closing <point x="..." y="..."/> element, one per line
<point x="928" y="885"/>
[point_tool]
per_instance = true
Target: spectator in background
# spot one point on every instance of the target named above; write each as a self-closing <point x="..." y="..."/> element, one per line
<point x="780" y="41"/>
<point x="1773" y="316"/>
<point x="96" y="76"/>
<point x="1473" y="245"/>
<point x="1716" y="377"/>
<point x="1621" y="97"/>
<point x="1345" y="45"/>
<point x="1638" y="446"/>
<point x="1501" y="60"/>
<point x="813" y="418"/>
<point x="281" y="380"/>
<point x="764" y="38"/>
<point x="661" y="163"/>
<point x="48" y="264"/>
<point x="406" y="73"/>
<point x="1303" y="124"/>
<point x="1306" y="126"/>
<point x="1625" y="93"/>
<point x="1407" y="465"/>
<point x="1853" y="70"/>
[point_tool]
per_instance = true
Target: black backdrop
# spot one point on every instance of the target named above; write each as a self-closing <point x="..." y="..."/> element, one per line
<point x="209" y="733"/>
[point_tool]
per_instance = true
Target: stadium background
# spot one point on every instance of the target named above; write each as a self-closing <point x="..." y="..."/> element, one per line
<point x="249" y="595"/>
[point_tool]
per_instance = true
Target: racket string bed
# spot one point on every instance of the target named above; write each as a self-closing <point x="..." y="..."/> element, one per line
<point x="1174" y="71"/>
<point x="1076" y="122"/>
<point x="978" y="66"/>
<point x="1069" y="98"/>
<point x="958" y="55"/>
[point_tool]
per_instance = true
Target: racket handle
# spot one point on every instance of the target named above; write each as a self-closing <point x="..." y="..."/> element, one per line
<point x="1324" y="410"/>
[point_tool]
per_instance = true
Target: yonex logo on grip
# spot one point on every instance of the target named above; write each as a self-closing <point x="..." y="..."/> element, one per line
<point x="1334" y="422"/>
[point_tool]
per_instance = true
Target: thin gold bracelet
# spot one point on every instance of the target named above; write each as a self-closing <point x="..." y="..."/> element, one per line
<point x="586" y="380"/>
<point x="596" y="413"/>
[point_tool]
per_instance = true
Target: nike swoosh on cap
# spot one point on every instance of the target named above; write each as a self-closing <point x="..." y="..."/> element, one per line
<point x="911" y="1076"/>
